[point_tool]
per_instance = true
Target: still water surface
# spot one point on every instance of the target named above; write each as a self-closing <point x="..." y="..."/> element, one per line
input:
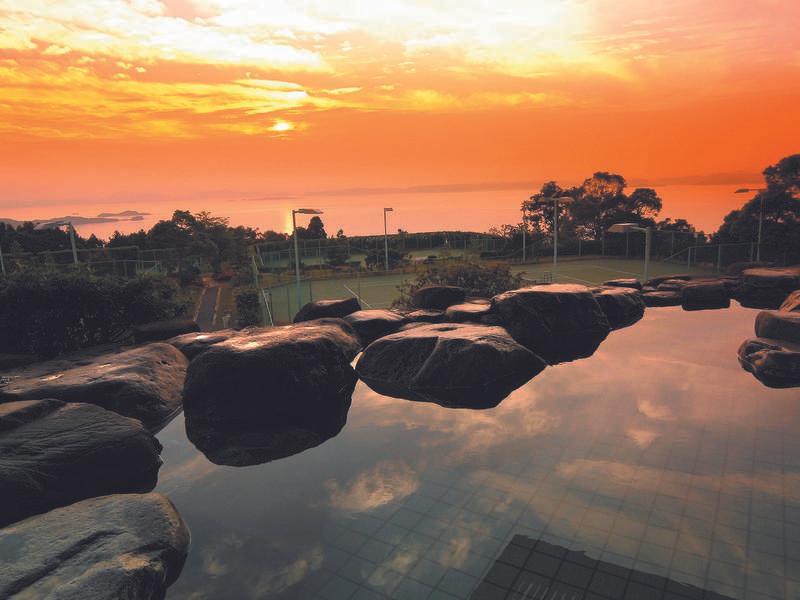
<point x="658" y="454"/>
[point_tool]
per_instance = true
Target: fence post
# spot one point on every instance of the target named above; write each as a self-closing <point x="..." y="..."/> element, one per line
<point x="603" y="243"/>
<point x="719" y="258"/>
<point x="579" y="248"/>
<point x="689" y="257"/>
<point x="751" y="251"/>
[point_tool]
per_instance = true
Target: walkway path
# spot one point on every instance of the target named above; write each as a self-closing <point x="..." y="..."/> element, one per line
<point x="208" y="304"/>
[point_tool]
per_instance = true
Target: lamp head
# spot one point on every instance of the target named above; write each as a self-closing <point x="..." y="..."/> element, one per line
<point x="52" y="225"/>
<point x="308" y="211"/>
<point x="548" y="200"/>
<point x="388" y="210"/>
<point x="623" y="227"/>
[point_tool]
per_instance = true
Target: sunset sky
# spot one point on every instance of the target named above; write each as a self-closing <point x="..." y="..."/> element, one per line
<point x="452" y="111"/>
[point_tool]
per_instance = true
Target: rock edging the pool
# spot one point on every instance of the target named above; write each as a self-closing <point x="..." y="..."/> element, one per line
<point x="773" y="356"/>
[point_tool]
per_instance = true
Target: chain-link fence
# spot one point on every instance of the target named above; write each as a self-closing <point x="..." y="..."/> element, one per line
<point x="353" y="251"/>
<point x="124" y="261"/>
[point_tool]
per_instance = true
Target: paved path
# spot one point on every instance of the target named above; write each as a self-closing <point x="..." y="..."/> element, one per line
<point x="205" y="314"/>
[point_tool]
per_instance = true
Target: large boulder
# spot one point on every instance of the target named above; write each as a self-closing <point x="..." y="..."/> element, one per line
<point x="53" y="454"/>
<point x="473" y="311"/>
<point x="438" y="296"/>
<point x="622" y="306"/>
<point x="375" y="323"/>
<point x="776" y="363"/>
<point x="194" y="344"/>
<point x="144" y="383"/>
<point x="703" y="295"/>
<point x="662" y="298"/>
<point x="792" y="302"/>
<point x="738" y="267"/>
<point x="122" y="546"/>
<point x="163" y="330"/>
<point x="454" y="365"/>
<point x="559" y="322"/>
<point x="426" y="315"/>
<point x="656" y="281"/>
<point x="625" y="283"/>
<point x="327" y="308"/>
<point x="766" y="288"/>
<point x="779" y="325"/>
<point x="672" y="285"/>
<point x="282" y="374"/>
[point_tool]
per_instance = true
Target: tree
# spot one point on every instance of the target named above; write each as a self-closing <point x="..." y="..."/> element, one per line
<point x="781" y="222"/>
<point x="136" y="238"/>
<point x="92" y="242"/>
<point x="336" y="254"/>
<point x="644" y="203"/>
<point x="784" y="177"/>
<point x="539" y="216"/>
<point x="678" y="225"/>
<point x="273" y="236"/>
<point x="476" y="279"/>
<point x="376" y="258"/>
<point x="600" y="201"/>
<point x="314" y="231"/>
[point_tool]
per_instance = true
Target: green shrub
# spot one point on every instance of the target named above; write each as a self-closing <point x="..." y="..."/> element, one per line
<point x="248" y="308"/>
<point x="337" y="255"/>
<point x="476" y="279"/>
<point x="47" y="312"/>
<point x="376" y="258"/>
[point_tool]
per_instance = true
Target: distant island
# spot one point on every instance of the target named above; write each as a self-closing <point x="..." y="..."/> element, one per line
<point x="104" y="217"/>
<point x="137" y="216"/>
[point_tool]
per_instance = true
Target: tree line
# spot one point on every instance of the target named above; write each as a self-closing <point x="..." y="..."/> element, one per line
<point x="587" y="210"/>
<point x="597" y="203"/>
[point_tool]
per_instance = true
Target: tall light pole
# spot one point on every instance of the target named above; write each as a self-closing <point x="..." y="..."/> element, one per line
<point x="760" y="192"/>
<point x="299" y="211"/>
<point x="70" y="228"/>
<point x="386" y="236"/>
<point x="555" y="201"/>
<point x="648" y="234"/>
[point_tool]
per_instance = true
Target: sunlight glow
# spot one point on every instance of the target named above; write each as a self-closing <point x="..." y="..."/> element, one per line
<point x="199" y="68"/>
<point x="281" y="126"/>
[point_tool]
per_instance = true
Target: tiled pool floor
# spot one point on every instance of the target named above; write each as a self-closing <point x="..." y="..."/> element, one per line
<point x="658" y="456"/>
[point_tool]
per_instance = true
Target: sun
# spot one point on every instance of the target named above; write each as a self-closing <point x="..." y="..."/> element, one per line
<point x="282" y="126"/>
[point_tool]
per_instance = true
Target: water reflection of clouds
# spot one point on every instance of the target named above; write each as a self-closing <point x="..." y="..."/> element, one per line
<point x="388" y="481"/>
<point x="596" y="441"/>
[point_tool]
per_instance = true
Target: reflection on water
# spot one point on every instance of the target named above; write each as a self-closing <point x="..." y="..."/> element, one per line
<point x="529" y="568"/>
<point x="264" y="442"/>
<point x="658" y="454"/>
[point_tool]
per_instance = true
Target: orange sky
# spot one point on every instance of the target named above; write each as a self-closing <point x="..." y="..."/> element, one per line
<point x="451" y="110"/>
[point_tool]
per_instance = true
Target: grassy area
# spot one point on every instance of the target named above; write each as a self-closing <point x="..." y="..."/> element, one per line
<point x="310" y="261"/>
<point x="379" y="291"/>
<point x="595" y="270"/>
<point x="226" y="303"/>
<point x="376" y="291"/>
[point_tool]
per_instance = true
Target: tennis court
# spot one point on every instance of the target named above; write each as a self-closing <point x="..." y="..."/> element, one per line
<point x="379" y="291"/>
